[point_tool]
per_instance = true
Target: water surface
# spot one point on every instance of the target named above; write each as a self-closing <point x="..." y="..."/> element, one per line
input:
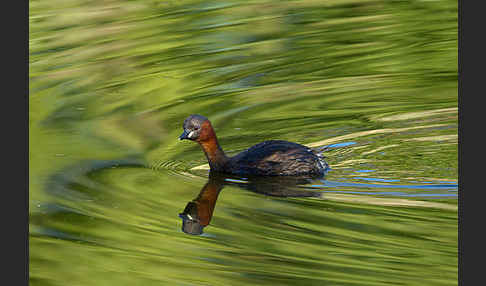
<point x="372" y="85"/>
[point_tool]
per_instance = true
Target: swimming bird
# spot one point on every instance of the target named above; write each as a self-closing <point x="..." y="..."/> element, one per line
<point x="268" y="158"/>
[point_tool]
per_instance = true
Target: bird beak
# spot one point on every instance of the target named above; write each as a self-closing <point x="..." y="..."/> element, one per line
<point x="184" y="135"/>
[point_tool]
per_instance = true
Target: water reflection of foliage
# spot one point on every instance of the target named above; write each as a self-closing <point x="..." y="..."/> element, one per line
<point x="113" y="79"/>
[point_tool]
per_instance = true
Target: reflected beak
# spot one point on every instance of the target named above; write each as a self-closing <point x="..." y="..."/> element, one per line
<point x="184" y="135"/>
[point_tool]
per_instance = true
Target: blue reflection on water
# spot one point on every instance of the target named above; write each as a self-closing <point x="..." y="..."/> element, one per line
<point x="448" y="189"/>
<point x="340" y="145"/>
<point x="364" y="171"/>
<point x="394" y="194"/>
<point x="332" y="184"/>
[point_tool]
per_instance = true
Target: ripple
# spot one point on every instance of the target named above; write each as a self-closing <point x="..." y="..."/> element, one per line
<point x="168" y="165"/>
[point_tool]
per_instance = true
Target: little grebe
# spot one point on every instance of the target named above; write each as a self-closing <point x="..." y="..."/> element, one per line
<point x="269" y="158"/>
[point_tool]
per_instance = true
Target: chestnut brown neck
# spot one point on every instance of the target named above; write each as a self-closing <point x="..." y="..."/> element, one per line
<point x="207" y="200"/>
<point x="209" y="143"/>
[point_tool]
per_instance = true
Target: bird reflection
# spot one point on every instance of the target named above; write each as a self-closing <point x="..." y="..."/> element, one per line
<point x="198" y="213"/>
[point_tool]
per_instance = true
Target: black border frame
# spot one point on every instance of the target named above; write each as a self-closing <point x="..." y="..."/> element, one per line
<point x="16" y="208"/>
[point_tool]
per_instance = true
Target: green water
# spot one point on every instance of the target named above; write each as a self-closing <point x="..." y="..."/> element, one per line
<point x="374" y="83"/>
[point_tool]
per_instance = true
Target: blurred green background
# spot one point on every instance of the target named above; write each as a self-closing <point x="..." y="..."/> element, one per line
<point x="111" y="82"/>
